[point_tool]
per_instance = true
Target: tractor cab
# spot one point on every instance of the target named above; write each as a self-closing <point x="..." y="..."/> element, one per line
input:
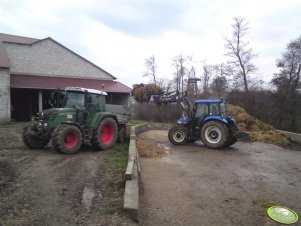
<point x="84" y="99"/>
<point x="215" y="109"/>
<point x="209" y="108"/>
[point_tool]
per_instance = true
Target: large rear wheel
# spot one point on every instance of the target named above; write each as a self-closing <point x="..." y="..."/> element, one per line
<point x="67" y="139"/>
<point x="214" y="134"/>
<point x="30" y="141"/>
<point x="177" y="135"/>
<point x="106" y="134"/>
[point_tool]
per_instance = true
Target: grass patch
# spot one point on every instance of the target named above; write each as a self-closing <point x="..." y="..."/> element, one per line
<point x="117" y="158"/>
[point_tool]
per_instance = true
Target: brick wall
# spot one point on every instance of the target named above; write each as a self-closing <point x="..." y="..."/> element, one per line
<point x="4" y="95"/>
<point x="49" y="58"/>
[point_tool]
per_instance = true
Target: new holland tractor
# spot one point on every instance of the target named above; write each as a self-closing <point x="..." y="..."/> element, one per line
<point x="83" y="118"/>
<point x="202" y="119"/>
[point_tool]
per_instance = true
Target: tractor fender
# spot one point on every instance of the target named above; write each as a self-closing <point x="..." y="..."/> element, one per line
<point x="215" y="118"/>
<point x="73" y="123"/>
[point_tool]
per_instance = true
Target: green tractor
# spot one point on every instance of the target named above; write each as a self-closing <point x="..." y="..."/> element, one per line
<point x="84" y="118"/>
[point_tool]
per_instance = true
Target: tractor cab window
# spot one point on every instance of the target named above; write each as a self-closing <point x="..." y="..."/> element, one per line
<point x="97" y="103"/>
<point x="202" y="110"/>
<point x="223" y="109"/>
<point x="75" y="99"/>
<point x="214" y="109"/>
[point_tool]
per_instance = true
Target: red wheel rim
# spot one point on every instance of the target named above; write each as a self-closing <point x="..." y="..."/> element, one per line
<point x="107" y="134"/>
<point x="70" y="140"/>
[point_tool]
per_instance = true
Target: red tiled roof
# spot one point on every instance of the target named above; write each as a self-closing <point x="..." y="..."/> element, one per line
<point x="47" y="82"/>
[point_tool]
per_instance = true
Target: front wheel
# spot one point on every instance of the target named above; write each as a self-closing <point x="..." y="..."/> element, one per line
<point x="30" y="141"/>
<point x="177" y="135"/>
<point x="106" y="134"/>
<point x="214" y="134"/>
<point x="67" y="139"/>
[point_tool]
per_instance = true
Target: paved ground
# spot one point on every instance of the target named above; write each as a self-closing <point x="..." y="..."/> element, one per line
<point x="42" y="187"/>
<point x="193" y="185"/>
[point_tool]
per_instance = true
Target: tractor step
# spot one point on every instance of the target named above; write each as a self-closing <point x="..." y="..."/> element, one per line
<point x="86" y="135"/>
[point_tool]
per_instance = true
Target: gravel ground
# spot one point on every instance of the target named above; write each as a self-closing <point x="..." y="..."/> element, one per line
<point x="42" y="187"/>
<point x="193" y="185"/>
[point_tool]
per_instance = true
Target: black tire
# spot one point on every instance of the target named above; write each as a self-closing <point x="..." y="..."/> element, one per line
<point x="121" y="135"/>
<point x="177" y="135"/>
<point x="214" y="134"/>
<point x="232" y="135"/>
<point x="231" y="141"/>
<point x="67" y="139"/>
<point x="31" y="141"/>
<point x="106" y="134"/>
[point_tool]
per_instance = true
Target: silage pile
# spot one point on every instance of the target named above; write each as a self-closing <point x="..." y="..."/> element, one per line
<point x="260" y="131"/>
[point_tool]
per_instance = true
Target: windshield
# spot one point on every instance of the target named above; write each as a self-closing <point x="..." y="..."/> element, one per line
<point x="75" y="99"/>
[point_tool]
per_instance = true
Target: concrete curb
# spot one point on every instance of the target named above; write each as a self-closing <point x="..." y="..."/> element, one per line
<point x="132" y="175"/>
<point x="295" y="137"/>
<point x="133" y="171"/>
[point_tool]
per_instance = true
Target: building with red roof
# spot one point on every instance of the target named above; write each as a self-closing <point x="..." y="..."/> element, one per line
<point x="30" y="69"/>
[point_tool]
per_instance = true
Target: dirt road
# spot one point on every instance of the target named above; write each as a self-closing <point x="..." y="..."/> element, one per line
<point x="42" y="187"/>
<point x="193" y="185"/>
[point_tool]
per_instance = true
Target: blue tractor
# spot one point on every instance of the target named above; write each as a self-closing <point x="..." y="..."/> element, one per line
<point x="202" y="119"/>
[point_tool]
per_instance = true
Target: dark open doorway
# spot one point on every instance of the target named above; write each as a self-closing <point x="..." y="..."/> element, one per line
<point x="25" y="103"/>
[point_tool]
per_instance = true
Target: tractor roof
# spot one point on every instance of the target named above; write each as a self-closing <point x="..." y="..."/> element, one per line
<point x="208" y="101"/>
<point x="80" y="89"/>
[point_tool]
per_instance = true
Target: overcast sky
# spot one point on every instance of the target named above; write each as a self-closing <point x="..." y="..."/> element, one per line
<point x="118" y="35"/>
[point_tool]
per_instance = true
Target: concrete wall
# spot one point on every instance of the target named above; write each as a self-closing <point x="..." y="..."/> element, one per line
<point x="295" y="137"/>
<point x="49" y="58"/>
<point x="4" y="95"/>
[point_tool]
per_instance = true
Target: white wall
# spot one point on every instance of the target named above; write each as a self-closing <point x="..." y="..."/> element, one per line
<point x="4" y="95"/>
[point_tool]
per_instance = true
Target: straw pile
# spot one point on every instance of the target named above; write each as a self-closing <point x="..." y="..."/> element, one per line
<point x="260" y="131"/>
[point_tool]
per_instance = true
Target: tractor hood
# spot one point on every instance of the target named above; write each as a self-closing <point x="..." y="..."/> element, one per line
<point x="53" y="113"/>
<point x="45" y="115"/>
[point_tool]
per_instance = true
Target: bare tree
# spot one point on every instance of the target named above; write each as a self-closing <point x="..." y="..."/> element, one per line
<point x="165" y="84"/>
<point x="181" y="70"/>
<point x="239" y="52"/>
<point x="151" y="69"/>
<point x="287" y="81"/>
<point x="208" y="72"/>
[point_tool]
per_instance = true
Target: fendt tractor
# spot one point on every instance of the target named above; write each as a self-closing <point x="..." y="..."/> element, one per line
<point x="202" y="119"/>
<point x="83" y="118"/>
